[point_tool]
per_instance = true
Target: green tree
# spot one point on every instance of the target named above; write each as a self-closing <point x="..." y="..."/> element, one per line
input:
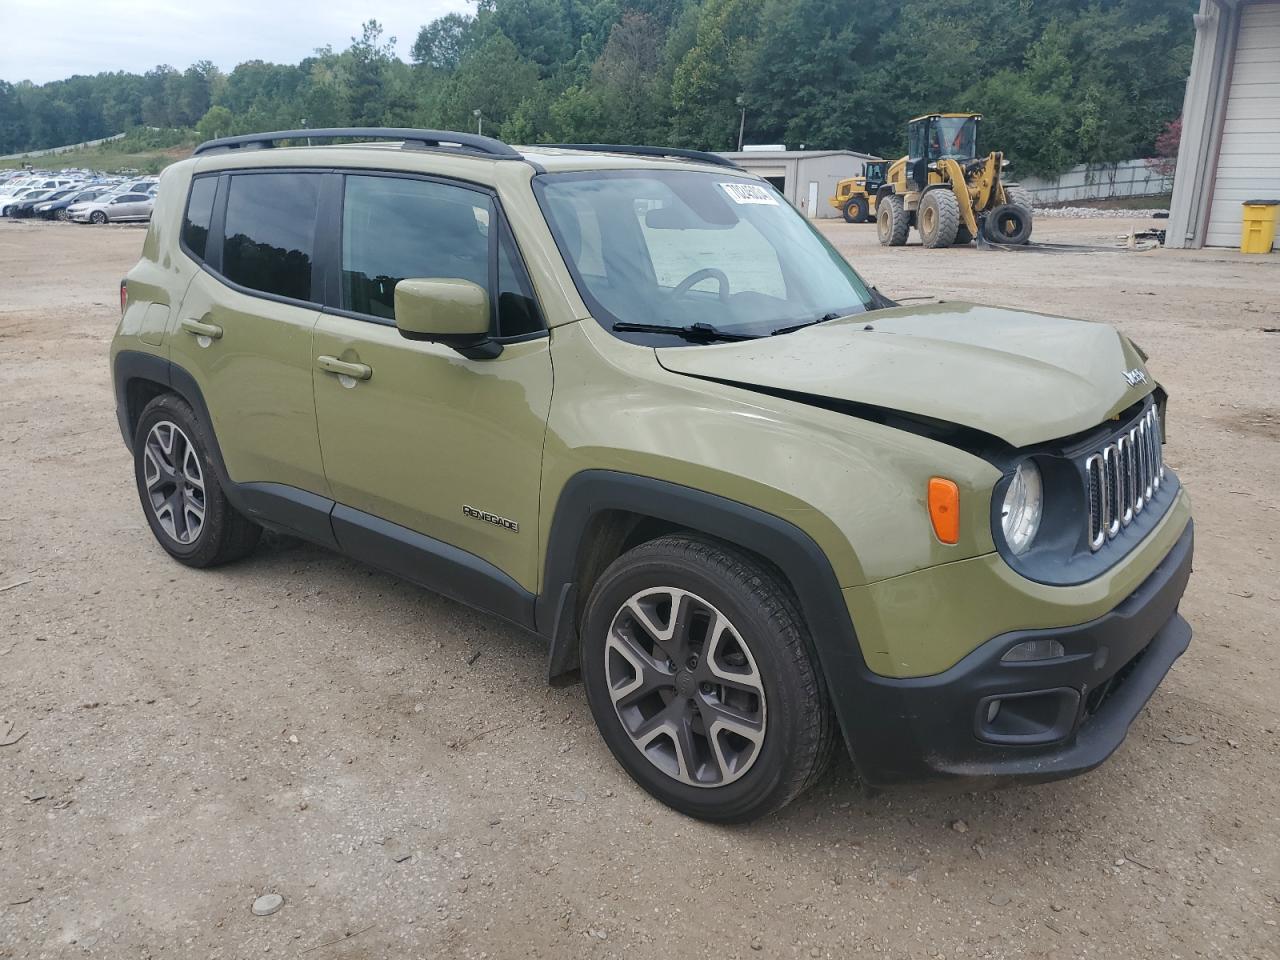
<point x="217" y="122"/>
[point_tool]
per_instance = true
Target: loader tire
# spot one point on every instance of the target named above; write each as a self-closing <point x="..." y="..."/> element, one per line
<point x="855" y="211"/>
<point x="939" y="218"/>
<point x="1017" y="196"/>
<point x="892" y="222"/>
<point x="1008" y="224"/>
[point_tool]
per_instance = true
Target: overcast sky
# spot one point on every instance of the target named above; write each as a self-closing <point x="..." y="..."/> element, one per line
<point x="51" y="39"/>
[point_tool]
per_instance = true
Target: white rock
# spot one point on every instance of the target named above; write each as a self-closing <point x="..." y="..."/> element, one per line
<point x="267" y="904"/>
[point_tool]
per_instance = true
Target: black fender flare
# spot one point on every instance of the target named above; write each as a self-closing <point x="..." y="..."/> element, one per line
<point x="133" y="365"/>
<point x="793" y="551"/>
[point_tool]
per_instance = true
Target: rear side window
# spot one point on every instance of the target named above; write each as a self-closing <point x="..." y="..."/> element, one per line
<point x="269" y="237"/>
<point x="195" y="225"/>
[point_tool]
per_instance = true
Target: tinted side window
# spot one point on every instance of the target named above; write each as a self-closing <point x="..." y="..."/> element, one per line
<point x="517" y="308"/>
<point x="393" y="229"/>
<point x="270" y="232"/>
<point x="195" y="225"/>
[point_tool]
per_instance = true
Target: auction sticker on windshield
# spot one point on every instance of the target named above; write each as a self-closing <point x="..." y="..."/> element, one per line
<point x="749" y="193"/>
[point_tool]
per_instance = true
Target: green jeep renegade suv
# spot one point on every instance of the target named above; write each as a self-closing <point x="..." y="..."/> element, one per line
<point x="630" y="400"/>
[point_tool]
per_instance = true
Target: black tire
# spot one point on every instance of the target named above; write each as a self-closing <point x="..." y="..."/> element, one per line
<point x="855" y="210"/>
<point x="97" y="217"/>
<point x="1017" y="196"/>
<point x="892" y="222"/>
<point x="1008" y="224"/>
<point x="224" y="534"/>
<point x="60" y="214"/>
<point x="796" y="726"/>
<point x="938" y="218"/>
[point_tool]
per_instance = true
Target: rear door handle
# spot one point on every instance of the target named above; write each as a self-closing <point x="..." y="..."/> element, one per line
<point x="356" y="371"/>
<point x="198" y="328"/>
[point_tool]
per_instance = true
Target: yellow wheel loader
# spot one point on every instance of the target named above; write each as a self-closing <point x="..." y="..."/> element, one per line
<point x="947" y="192"/>
<point x="855" y="197"/>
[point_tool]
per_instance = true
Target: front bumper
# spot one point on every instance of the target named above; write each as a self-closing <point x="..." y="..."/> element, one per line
<point x="1054" y="718"/>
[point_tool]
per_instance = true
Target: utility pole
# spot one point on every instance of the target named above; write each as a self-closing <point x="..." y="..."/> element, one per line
<point x="742" y="122"/>
<point x="479" y="121"/>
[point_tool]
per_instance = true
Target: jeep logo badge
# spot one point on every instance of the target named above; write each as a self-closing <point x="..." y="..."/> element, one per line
<point x="1134" y="377"/>
<point x="493" y="518"/>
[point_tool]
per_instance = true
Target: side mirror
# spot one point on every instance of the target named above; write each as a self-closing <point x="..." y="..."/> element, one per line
<point x="452" y="312"/>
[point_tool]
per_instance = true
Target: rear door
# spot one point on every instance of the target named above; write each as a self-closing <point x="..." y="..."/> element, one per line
<point x="433" y="442"/>
<point x="245" y="324"/>
<point x="128" y="206"/>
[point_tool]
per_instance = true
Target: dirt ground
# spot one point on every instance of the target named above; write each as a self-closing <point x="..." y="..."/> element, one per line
<point x="394" y="765"/>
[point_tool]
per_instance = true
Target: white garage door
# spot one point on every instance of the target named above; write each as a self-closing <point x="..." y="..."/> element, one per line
<point x="1249" y="161"/>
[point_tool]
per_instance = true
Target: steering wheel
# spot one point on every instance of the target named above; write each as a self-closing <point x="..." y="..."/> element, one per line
<point x="693" y="279"/>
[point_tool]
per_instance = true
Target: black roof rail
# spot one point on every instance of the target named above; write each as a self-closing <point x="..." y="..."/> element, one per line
<point x="428" y="139"/>
<point x="642" y="151"/>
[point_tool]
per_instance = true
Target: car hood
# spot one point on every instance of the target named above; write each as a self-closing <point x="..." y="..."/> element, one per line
<point x="1022" y="377"/>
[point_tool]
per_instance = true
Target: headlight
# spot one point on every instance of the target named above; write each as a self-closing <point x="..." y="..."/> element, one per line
<point x="1022" y="508"/>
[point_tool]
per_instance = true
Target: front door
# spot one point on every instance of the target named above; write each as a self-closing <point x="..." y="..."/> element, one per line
<point x="244" y="328"/>
<point x="431" y="441"/>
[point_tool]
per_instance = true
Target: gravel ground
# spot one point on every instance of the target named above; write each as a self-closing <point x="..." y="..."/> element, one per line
<point x="301" y="725"/>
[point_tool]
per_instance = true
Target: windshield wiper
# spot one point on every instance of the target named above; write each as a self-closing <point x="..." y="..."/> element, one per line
<point x="696" y="332"/>
<point x="808" y="323"/>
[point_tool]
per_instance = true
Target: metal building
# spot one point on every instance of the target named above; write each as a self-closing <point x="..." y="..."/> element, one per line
<point x="1230" y="149"/>
<point x="807" y="178"/>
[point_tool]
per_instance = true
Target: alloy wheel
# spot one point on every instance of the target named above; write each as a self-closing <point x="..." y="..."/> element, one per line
<point x="685" y="687"/>
<point x="174" y="481"/>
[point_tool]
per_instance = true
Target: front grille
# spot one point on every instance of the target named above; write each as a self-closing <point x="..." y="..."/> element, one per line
<point x="1122" y="478"/>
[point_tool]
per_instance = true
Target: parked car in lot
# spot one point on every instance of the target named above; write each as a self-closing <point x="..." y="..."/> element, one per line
<point x="759" y="506"/>
<point x="25" y="207"/>
<point x="117" y="208"/>
<point x="56" y="209"/>
<point x="30" y="195"/>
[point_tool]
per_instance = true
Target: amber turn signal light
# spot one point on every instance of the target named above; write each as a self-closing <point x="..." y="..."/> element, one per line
<point x="944" y="509"/>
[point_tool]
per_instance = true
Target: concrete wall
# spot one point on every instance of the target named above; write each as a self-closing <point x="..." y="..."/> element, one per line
<point x="54" y="150"/>
<point x="1101" y="181"/>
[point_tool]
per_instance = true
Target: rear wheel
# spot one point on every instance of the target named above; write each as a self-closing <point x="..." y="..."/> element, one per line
<point x="180" y="491"/>
<point x="1008" y="224"/>
<point x="939" y="218"/>
<point x="892" y="223"/>
<point x="855" y="210"/>
<point x="699" y="672"/>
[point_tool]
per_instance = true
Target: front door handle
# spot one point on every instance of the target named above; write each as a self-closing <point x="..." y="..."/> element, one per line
<point x="198" y="328"/>
<point x="356" y="371"/>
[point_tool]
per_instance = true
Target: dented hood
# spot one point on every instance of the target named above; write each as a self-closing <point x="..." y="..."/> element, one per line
<point x="1023" y="377"/>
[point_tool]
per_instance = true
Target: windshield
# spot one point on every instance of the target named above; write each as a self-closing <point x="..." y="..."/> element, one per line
<point x="677" y="248"/>
<point x="954" y="137"/>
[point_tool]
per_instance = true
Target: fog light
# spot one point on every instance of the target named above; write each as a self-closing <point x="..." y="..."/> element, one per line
<point x="993" y="710"/>
<point x="1034" y="650"/>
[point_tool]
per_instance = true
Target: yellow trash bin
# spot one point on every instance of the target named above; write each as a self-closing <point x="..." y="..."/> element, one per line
<point x="1258" y="229"/>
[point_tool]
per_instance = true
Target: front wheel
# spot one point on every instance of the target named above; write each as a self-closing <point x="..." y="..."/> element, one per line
<point x="892" y="222"/>
<point x="939" y="218"/>
<point x="700" y="675"/>
<point x="97" y="217"/>
<point x="180" y="492"/>
<point x="60" y="214"/>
